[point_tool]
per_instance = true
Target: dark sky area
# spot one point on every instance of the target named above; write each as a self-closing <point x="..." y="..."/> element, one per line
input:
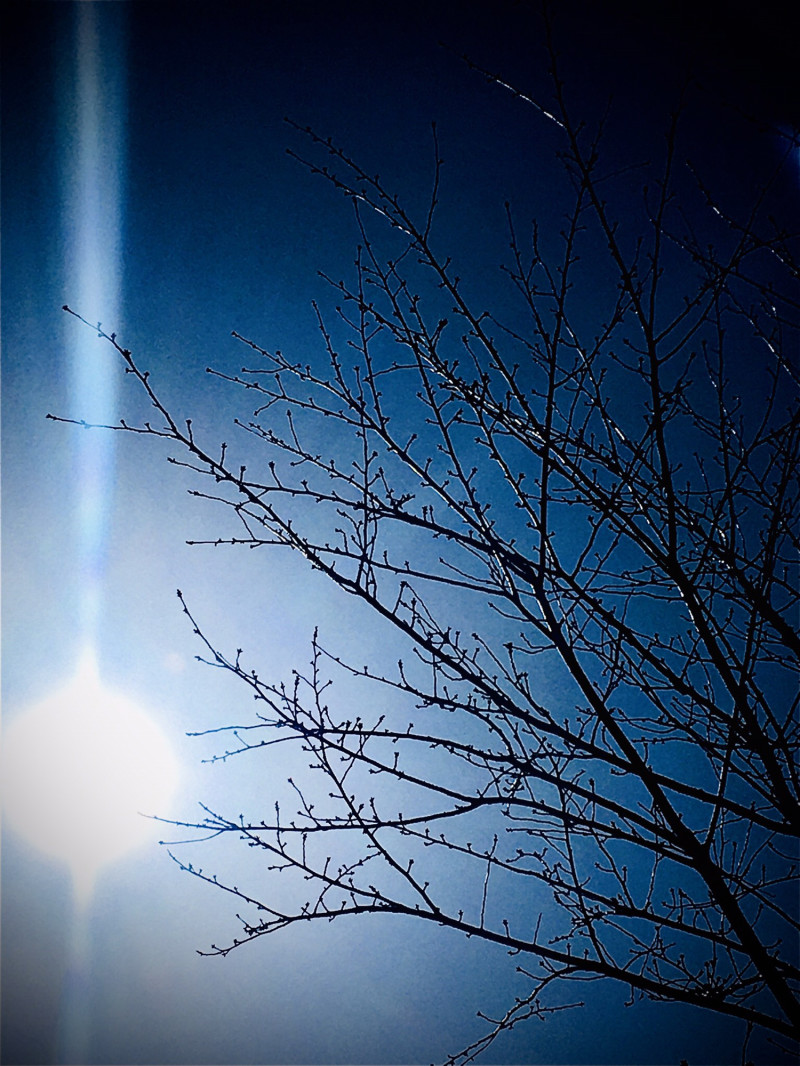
<point x="216" y="229"/>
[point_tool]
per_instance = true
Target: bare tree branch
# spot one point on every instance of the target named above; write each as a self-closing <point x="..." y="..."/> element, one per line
<point x="526" y="495"/>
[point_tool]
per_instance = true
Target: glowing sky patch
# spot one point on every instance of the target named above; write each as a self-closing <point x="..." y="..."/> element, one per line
<point x="79" y="767"/>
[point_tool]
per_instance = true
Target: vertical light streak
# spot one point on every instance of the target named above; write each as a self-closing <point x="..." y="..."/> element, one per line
<point x="95" y="162"/>
<point x="73" y="1038"/>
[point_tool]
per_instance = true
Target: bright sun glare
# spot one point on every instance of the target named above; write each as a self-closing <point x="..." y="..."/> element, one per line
<point x="78" y="768"/>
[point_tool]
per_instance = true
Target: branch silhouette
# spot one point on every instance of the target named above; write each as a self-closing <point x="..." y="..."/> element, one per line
<point x="580" y="520"/>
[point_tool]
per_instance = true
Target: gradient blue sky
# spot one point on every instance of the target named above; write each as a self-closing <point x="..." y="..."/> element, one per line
<point x="218" y="229"/>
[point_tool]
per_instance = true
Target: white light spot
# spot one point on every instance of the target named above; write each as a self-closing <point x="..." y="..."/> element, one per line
<point x="78" y="768"/>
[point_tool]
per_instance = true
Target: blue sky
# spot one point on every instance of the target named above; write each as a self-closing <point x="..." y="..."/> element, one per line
<point x="204" y="225"/>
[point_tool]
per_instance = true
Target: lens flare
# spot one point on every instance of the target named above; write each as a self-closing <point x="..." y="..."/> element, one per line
<point x="79" y="769"/>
